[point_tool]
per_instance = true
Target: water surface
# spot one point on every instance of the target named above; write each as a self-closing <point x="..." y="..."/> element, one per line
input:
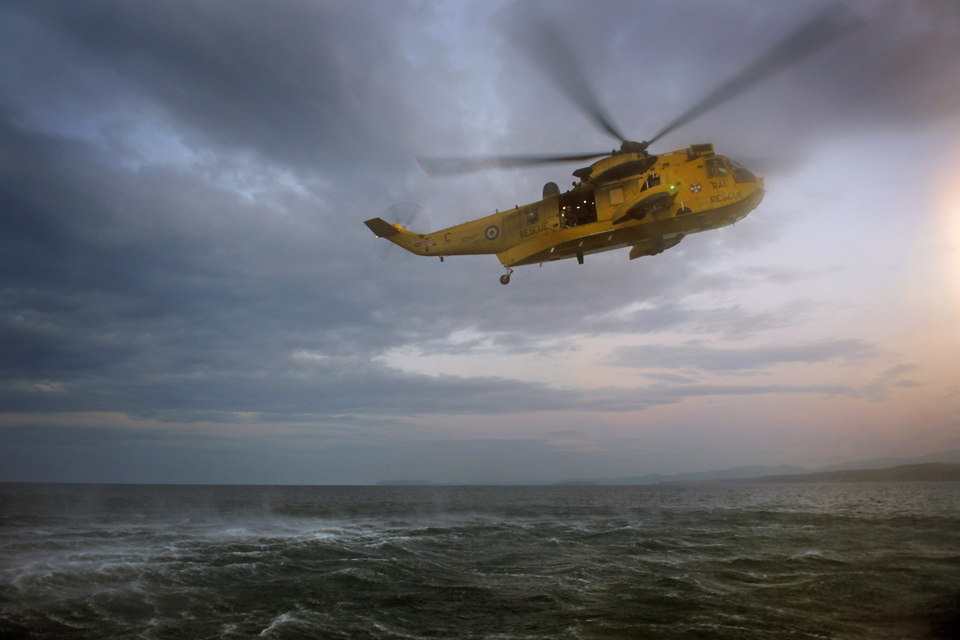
<point x="756" y="561"/>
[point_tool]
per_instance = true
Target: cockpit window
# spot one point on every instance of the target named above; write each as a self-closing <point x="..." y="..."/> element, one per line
<point x="741" y="174"/>
<point x="716" y="168"/>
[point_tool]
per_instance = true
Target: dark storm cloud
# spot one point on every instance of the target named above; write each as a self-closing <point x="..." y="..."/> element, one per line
<point x="138" y="283"/>
<point x="899" y="69"/>
<point x="122" y="294"/>
<point x="305" y="82"/>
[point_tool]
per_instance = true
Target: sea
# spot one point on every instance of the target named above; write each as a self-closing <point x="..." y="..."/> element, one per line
<point x="859" y="560"/>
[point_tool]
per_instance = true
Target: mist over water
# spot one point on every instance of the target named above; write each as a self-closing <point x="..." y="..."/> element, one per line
<point x="756" y="561"/>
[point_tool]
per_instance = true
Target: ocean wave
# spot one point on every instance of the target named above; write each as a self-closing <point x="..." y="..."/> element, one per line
<point x="462" y="562"/>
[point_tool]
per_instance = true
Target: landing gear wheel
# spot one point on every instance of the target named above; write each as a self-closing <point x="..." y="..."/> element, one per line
<point x="505" y="278"/>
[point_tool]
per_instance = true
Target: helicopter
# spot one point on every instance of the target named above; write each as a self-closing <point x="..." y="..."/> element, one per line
<point x="627" y="198"/>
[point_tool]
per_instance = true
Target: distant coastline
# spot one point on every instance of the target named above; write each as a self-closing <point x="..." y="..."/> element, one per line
<point x="937" y="467"/>
<point x="929" y="472"/>
<point x="924" y="472"/>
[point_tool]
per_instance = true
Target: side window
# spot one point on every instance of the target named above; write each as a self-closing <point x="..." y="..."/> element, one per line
<point x="716" y="168"/>
<point x="653" y="180"/>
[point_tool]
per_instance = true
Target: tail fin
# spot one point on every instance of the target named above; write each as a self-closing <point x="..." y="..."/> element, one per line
<point x="416" y="243"/>
<point x="381" y="227"/>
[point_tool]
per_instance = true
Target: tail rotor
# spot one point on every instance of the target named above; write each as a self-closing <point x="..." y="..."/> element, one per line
<point x="411" y="217"/>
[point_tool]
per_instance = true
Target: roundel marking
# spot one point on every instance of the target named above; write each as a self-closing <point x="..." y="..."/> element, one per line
<point x="492" y="232"/>
<point x="695" y="187"/>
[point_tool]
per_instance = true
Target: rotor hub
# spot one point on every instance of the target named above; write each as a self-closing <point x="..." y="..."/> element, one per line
<point x="630" y="146"/>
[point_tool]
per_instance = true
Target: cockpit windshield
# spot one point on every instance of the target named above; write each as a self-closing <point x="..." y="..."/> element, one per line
<point x="740" y="173"/>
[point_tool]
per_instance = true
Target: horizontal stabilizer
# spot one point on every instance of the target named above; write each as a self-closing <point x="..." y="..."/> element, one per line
<point x="381" y="227"/>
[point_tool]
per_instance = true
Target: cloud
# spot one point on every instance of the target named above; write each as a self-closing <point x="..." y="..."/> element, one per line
<point x="899" y="70"/>
<point x="183" y="188"/>
<point x="306" y="82"/>
<point x="890" y="379"/>
<point x="136" y="286"/>
<point x="698" y="356"/>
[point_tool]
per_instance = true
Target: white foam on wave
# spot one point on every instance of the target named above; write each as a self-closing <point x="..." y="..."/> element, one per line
<point x="279" y="621"/>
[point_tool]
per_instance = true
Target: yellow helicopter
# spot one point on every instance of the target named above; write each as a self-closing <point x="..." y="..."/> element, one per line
<point x="628" y="198"/>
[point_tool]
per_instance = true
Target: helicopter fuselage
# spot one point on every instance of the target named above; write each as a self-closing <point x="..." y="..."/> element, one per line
<point x="648" y="203"/>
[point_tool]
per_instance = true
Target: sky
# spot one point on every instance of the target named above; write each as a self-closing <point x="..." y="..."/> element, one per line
<point x="188" y="293"/>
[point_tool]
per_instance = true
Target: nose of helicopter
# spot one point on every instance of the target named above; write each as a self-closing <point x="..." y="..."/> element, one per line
<point x="759" y="191"/>
<point x="745" y="177"/>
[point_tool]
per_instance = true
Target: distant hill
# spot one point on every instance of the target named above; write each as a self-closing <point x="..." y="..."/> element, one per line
<point x="934" y="467"/>
<point x="952" y="457"/>
<point x="929" y="472"/>
<point x="753" y="471"/>
<point x="764" y="471"/>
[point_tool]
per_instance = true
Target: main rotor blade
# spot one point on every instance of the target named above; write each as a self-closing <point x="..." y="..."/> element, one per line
<point x="542" y="40"/>
<point x="454" y="166"/>
<point x="826" y="27"/>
